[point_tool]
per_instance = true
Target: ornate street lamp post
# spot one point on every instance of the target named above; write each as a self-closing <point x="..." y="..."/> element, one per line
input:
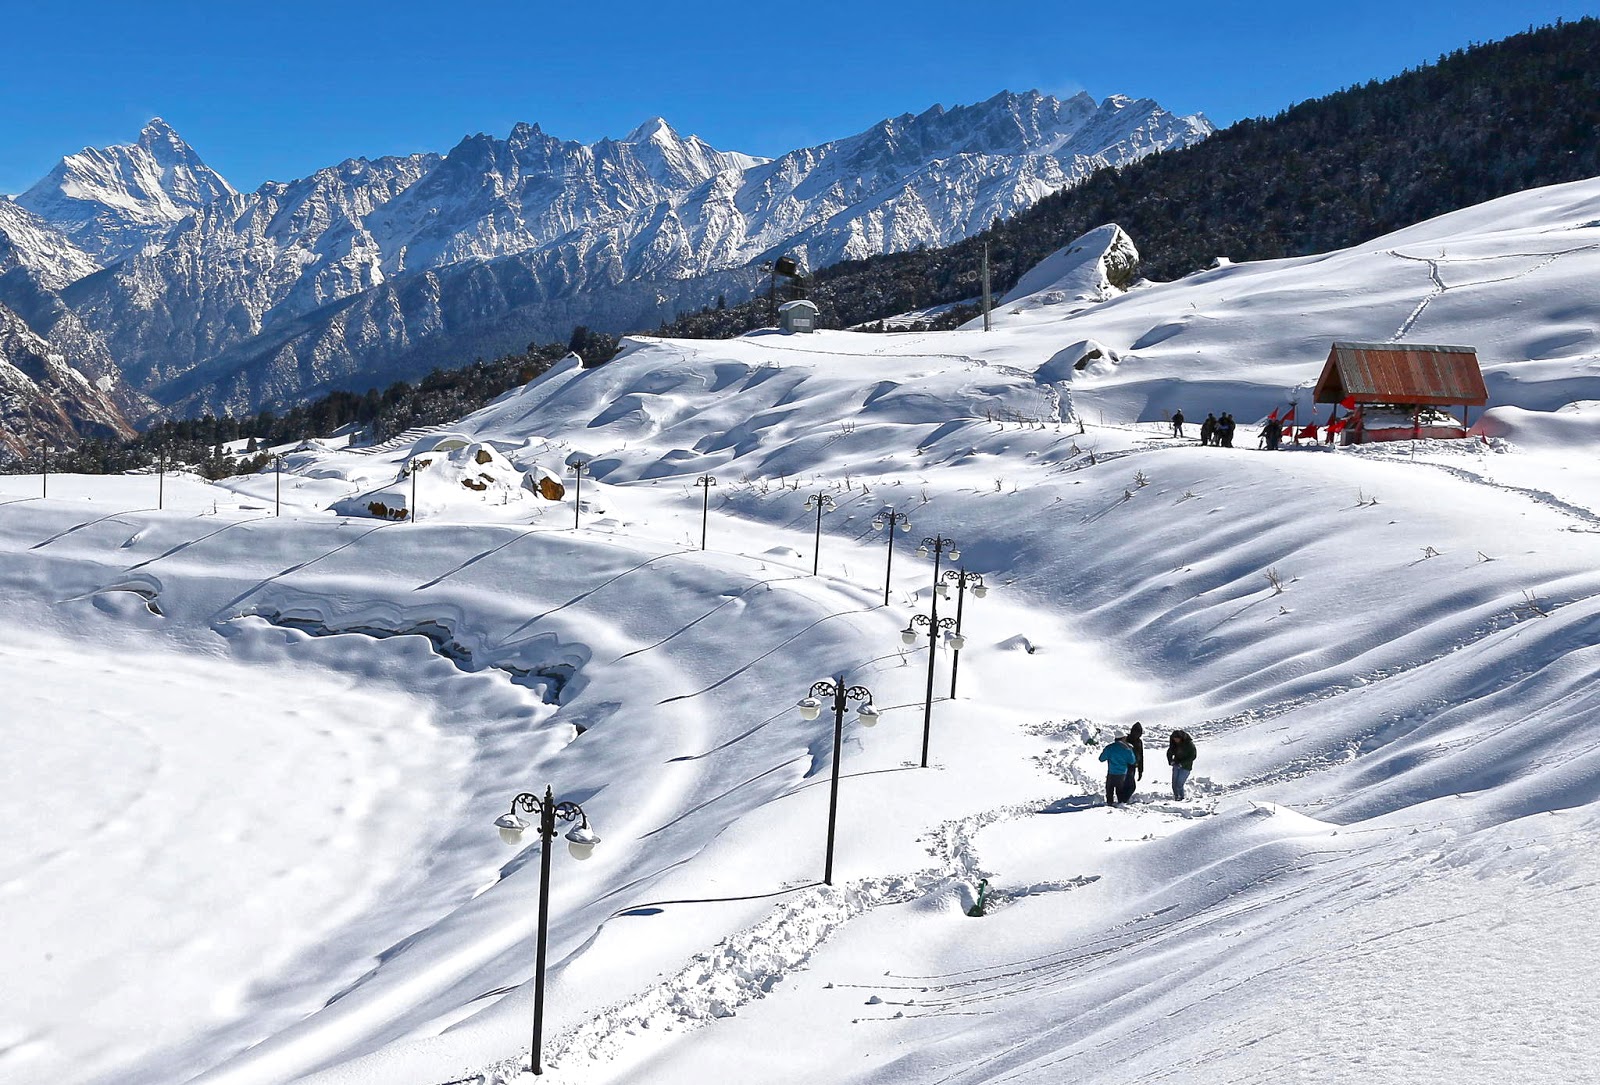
<point x="822" y="503"/>
<point x="938" y="546"/>
<point x="909" y="635"/>
<point x="580" y="841"/>
<point x="891" y="519"/>
<point x="962" y="580"/>
<point x="811" y="708"/>
<point x="705" y="482"/>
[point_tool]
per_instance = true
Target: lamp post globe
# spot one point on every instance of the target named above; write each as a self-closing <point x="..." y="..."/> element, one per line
<point x="581" y="841"/>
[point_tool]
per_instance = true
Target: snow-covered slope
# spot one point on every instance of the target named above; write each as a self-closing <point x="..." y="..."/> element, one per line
<point x="111" y="201"/>
<point x="1386" y="656"/>
<point x="370" y="270"/>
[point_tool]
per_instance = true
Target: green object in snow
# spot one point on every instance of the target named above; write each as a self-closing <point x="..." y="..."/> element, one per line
<point x="983" y="891"/>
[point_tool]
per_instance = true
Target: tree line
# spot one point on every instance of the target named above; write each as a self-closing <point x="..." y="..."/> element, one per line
<point x="1484" y="121"/>
<point x="198" y="444"/>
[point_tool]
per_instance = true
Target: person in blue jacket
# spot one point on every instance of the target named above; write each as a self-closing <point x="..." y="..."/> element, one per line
<point x="1121" y="761"/>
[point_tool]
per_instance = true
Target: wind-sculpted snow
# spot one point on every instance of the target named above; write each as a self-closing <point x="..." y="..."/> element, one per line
<point x="1385" y="655"/>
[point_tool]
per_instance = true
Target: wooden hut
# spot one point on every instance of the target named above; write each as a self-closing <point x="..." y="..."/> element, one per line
<point x="1399" y="391"/>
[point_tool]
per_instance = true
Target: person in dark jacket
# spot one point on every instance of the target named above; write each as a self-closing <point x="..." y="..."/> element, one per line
<point x="1272" y="432"/>
<point x="1121" y="762"/>
<point x="1132" y="776"/>
<point x="1180" y="755"/>
<point x="1225" y="430"/>
<point x="1177" y="423"/>
<point x="1208" y="429"/>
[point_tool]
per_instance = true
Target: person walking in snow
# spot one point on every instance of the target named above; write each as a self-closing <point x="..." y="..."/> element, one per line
<point x="1225" y="430"/>
<point x="1177" y="423"/>
<point x="1208" y="429"/>
<point x="1120" y="764"/>
<point x="1271" y="432"/>
<point x="1180" y="755"/>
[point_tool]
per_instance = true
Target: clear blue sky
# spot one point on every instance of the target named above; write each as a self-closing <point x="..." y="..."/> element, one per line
<point x="274" y="91"/>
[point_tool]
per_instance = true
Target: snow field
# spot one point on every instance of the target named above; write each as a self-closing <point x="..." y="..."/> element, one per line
<point x="1386" y="656"/>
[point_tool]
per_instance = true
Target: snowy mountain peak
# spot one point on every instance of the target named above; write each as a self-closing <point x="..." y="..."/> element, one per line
<point x="111" y="201"/>
<point x="568" y="231"/>
<point x="158" y="133"/>
<point x="653" y="130"/>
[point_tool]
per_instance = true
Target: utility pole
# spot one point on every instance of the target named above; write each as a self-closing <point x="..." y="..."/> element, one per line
<point x="985" y="286"/>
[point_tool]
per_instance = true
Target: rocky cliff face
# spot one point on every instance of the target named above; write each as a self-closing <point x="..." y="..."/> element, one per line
<point x="371" y="271"/>
<point x="45" y="400"/>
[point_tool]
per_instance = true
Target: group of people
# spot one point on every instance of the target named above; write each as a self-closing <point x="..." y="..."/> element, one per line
<point x="1124" y="759"/>
<point x="1217" y="431"/>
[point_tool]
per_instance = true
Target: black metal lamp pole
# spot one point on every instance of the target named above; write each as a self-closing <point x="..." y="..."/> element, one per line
<point x="277" y="487"/>
<point x="412" y="471"/>
<point x="705" y="482"/>
<point x="937" y="545"/>
<point x="822" y="503"/>
<point x="161" y="477"/>
<point x="810" y="708"/>
<point x="45" y="478"/>
<point x="582" y="840"/>
<point x="909" y="636"/>
<point x="961" y="578"/>
<point x="577" y="500"/>
<point x="891" y="518"/>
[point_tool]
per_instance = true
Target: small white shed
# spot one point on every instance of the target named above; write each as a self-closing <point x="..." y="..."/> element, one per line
<point x="798" y="316"/>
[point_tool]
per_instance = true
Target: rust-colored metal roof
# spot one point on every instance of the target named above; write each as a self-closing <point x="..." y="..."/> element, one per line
<point x="1411" y="373"/>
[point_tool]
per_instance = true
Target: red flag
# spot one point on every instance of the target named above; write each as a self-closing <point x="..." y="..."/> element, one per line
<point x="1348" y="402"/>
<point x="1309" y="431"/>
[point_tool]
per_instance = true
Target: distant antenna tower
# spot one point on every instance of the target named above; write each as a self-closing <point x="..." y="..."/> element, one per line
<point x="789" y="268"/>
<point x="985" y="286"/>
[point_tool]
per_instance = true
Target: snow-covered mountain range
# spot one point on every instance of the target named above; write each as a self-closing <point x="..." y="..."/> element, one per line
<point x="372" y="270"/>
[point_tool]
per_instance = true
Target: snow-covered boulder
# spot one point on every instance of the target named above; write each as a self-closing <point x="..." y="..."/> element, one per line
<point x="1096" y="267"/>
<point x="544" y="484"/>
<point x="450" y="476"/>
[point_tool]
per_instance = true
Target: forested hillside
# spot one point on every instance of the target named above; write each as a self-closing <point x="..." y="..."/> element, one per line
<point x="1480" y="123"/>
